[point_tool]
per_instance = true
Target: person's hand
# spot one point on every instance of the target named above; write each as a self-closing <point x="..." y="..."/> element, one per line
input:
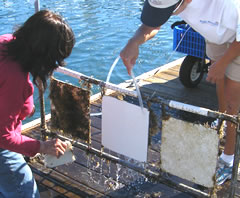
<point x="215" y="73"/>
<point x="129" y="55"/>
<point x="54" y="147"/>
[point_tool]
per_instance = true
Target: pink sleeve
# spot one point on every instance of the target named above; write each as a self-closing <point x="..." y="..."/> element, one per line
<point x="14" y="141"/>
<point x="15" y="104"/>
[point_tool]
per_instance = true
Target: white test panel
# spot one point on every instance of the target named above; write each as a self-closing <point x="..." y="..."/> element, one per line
<point x="189" y="151"/>
<point x="125" y="128"/>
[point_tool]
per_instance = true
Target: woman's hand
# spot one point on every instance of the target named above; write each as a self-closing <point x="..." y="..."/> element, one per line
<point x="54" y="147"/>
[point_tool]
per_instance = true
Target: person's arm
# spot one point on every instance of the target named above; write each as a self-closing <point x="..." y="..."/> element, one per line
<point x="217" y="70"/>
<point x="16" y="102"/>
<point x="129" y="54"/>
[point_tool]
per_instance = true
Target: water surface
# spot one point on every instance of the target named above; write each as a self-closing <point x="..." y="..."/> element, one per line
<point x="102" y="28"/>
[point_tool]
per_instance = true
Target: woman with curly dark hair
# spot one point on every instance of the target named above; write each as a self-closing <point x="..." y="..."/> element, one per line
<point x="38" y="47"/>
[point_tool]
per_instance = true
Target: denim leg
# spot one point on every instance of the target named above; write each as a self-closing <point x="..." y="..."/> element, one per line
<point x="16" y="178"/>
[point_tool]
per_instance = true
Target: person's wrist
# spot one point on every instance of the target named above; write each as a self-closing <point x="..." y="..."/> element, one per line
<point x="134" y="42"/>
<point x="223" y="63"/>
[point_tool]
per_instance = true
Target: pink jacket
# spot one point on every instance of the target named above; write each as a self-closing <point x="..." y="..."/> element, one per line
<point x="16" y="102"/>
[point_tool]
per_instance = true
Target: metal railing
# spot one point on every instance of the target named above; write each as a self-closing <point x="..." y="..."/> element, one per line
<point x="173" y="104"/>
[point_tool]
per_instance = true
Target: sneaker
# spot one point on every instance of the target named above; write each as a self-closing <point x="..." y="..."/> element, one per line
<point x="224" y="172"/>
<point x="223" y="129"/>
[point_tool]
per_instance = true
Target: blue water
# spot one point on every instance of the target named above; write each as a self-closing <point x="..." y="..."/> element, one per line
<point x="102" y="28"/>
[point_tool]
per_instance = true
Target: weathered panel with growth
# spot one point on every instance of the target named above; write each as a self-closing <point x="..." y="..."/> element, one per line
<point x="189" y="151"/>
<point x="70" y="109"/>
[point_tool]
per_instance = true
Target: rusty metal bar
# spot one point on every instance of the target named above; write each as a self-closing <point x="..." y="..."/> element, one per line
<point x="43" y="125"/>
<point x="100" y="83"/>
<point x="194" y="109"/>
<point x="235" y="164"/>
<point x="173" y="104"/>
<point x="159" y="177"/>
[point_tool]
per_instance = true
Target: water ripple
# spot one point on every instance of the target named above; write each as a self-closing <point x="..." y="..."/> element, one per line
<point x="102" y="28"/>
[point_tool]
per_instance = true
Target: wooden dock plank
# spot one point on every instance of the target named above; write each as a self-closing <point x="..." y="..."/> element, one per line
<point x="59" y="184"/>
<point x="167" y="85"/>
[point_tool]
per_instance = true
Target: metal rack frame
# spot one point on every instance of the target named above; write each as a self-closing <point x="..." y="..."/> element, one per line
<point x="158" y="176"/>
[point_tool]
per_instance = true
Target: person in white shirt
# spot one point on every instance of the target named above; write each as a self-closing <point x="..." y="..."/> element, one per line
<point x="218" y="21"/>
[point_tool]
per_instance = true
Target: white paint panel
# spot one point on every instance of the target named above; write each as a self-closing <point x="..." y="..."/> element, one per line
<point x="125" y="128"/>
<point x="189" y="151"/>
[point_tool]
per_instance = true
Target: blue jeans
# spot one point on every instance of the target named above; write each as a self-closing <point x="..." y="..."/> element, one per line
<point x="16" y="178"/>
